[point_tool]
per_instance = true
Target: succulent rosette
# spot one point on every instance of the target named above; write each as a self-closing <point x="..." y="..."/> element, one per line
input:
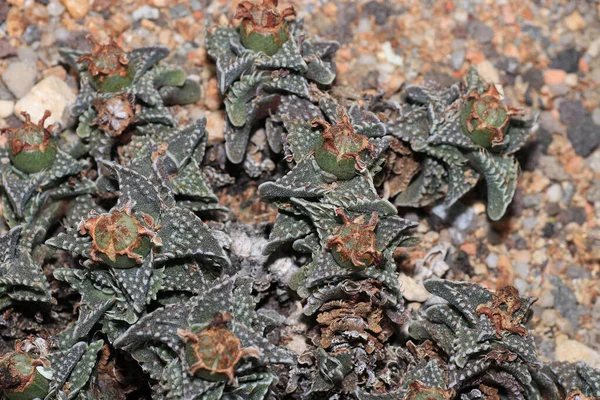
<point x="34" y="165"/>
<point x="461" y="134"/>
<point x="32" y="371"/>
<point x="329" y="208"/>
<point x="171" y="157"/>
<point x="262" y="61"/>
<point x="337" y="147"/>
<point x="143" y="245"/>
<point x="485" y="347"/>
<point x="211" y="346"/>
<point x="121" y="90"/>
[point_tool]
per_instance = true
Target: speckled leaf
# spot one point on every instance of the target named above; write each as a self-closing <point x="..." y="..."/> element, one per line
<point x="287" y="227"/>
<point x="136" y="191"/>
<point x="500" y="175"/>
<point x="73" y="242"/>
<point x="143" y="58"/>
<point x="230" y="70"/>
<point x="304" y="180"/>
<point x="82" y="371"/>
<point x="135" y="281"/>
<point x="184" y="235"/>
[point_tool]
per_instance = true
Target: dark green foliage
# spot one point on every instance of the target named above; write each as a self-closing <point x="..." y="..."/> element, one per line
<point x="453" y="158"/>
<point x="256" y="82"/>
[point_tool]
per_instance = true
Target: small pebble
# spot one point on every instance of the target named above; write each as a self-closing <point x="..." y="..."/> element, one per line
<point x="145" y="12"/>
<point x="6" y="108"/>
<point x="567" y="60"/>
<point x="554" y="76"/>
<point x="521" y="285"/>
<point x="27" y="55"/>
<point x="553" y="168"/>
<point x="574" y="351"/>
<point x="491" y="260"/>
<point x="521" y="269"/>
<point x="412" y="290"/>
<point x="51" y="94"/>
<point x="55" y="8"/>
<point x="548" y="318"/>
<point x="19" y="77"/>
<point x="574" y="21"/>
<point x="77" y="8"/>
<point x="179" y="11"/>
<point x="529" y="223"/>
<point x="546" y="299"/>
<point x="554" y="193"/>
<point x="488" y="72"/>
<point x="480" y="32"/>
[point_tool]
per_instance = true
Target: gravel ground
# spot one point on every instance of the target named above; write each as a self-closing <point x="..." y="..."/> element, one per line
<point x="545" y="53"/>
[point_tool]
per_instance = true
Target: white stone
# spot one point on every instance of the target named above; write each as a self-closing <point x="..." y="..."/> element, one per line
<point x="573" y="351"/>
<point x="6" y="108"/>
<point x="594" y="48"/>
<point x="554" y="193"/>
<point x="572" y="80"/>
<point x="19" y="77"/>
<point x="413" y="290"/>
<point x="51" y="94"/>
<point x="215" y="126"/>
<point x="488" y="72"/>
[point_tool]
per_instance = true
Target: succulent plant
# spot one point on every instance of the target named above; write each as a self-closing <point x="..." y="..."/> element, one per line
<point x="35" y="165"/>
<point x="328" y="207"/>
<point x="121" y="91"/>
<point x="211" y="346"/>
<point x="32" y="371"/>
<point x="488" y="351"/>
<point x="350" y="145"/>
<point x="143" y="245"/>
<point x="172" y="157"/>
<point x="109" y="70"/>
<point x="20" y="378"/>
<point x="21" y="277"/>
<point x="263" y="61"/>
<point x="460" y="134"/>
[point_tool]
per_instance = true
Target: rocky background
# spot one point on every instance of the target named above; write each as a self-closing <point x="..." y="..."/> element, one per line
<point x="546" y="54"/>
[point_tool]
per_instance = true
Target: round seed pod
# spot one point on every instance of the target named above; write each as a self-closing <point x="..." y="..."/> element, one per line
<point x="263" y="28"/>
<point x="31" y="147"/>
<point x="19" y="377"/>
<point x="108" y="67"/>
<point x="213" y="353"/>
<point x="340" y="148"/>
<point x="484" y="119"/>
<point x="353" y="245"/>
<point x="118" y="238"/>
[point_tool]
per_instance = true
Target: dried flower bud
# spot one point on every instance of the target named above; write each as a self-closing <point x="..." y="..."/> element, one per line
<point x="354" y="244"/>
<point x="485" y="119"/>
<point x="32" y="147"/>
<point x="108" y="66"/>
<point x="115" y="114"/>
<point x="502" y="310"/>
<point x="118" y="238"/>
<point x="213" y="353"/>
<point x="340" y="148"/>
<point x="418" y="391"/>
<point x="263" y="26"/>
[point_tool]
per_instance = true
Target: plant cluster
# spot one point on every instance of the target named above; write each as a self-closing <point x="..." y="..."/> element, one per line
<point x="451" y="138"/>
<point x="113" y="207"/>
<point x="328" y="207"/>
<point x="263" y="66"/>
